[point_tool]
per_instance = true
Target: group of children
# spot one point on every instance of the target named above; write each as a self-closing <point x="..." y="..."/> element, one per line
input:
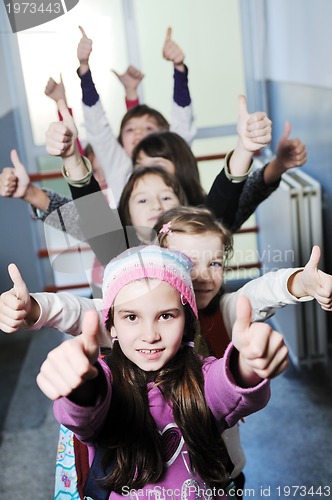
<point x="158" y="407"/>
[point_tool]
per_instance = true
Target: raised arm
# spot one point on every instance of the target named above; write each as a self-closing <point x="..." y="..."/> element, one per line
<point x="262" y="352"/>
<point x="254" y="132"/>
<point x="261" y="183"/>
<point x="130" y="80"/>
<point x="182" y="118"/>
<point x="113" y="159"/>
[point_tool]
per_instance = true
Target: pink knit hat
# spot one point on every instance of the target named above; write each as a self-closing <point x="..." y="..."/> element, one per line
<point x="149" y="261"/>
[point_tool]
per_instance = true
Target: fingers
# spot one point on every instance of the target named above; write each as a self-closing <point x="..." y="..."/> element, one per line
<point x="84" y="35"/>
<point x="8" y="182"/>
<point x="70" y="364"/>
<point x="65" y="369"/>
<point x="259" y="128"/>
<point x="12" y="315"/>
<point x="58" y="139"/>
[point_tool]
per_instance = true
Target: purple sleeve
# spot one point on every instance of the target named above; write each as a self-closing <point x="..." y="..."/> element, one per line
<point x="89" y="93"/>
<point x="86" y="421"/>
<point x="228" y="401"/>
<point x="181" y="93"/>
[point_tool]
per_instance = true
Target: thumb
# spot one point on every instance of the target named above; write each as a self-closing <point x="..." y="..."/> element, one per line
<point x="90" y="335"/>
<point x="286" y="131"/>
<point x="20" y="289"/>
<point x="243" y="314"/>
<point x="18" y="165"/>
<point x="115" y="72"/>
<point x="15" y="159"/>
<point x="314" y="258"/>
<point x="84" y="35"/>
<point x="243" y="111"/>
<point x="168" y="34"/>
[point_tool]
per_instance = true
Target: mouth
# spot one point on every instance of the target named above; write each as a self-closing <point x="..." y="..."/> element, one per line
<point x="202" y="291"/>
<point x="149" y="351"/>
<point x="150" y="354"/>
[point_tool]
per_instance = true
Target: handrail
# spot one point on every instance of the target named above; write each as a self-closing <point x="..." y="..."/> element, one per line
<point x="44" y="253"/>
<point x="55" y="174"/>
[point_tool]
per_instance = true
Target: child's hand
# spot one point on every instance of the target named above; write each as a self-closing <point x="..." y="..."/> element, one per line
<point x="262" y="351"/>
<point x="22" y="176"/>
<point x="84" y="50"/>
<point x="61" y="135"/>
<point x="172" y="52"/>
<point x="55" y="91"/>
<point x="8" y="182"/>
<point x="15" y="304"/>
<point x="254" y="130"/>
<point x="313" y="282"/>
<point x="290" y="153"/>
<point x="72" y="363"/>
<point x="130" y="79"/>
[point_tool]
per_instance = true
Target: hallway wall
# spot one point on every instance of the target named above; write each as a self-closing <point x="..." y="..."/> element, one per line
<point x="18" y="232"/>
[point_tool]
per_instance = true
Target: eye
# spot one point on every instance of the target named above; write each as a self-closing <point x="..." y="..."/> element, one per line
<point x="142" y="200"/>
<point x="131" y="317"/>
<point x="217" y="264"/>
<point x="166" y="316"/>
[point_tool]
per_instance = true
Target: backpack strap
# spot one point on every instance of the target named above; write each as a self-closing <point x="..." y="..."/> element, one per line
<point x="92" y="489"/>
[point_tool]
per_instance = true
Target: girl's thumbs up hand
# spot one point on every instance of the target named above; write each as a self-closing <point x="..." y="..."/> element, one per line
<point x="71" y="364"/>
<point x="15" y="304"/>
<point x="262" y="351"/>
<point x="313" y="282"/>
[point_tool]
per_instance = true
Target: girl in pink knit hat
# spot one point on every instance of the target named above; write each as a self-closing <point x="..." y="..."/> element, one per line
<point x="151" y="412"/>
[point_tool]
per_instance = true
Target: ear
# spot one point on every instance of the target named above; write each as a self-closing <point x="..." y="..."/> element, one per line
<point x="113" y="333"/>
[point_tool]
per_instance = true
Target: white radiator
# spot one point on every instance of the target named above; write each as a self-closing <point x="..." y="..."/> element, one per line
<point x="290" y="223"/>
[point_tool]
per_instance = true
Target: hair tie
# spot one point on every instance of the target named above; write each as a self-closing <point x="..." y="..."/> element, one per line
<point x="189" y="344"/>
<point x="166" y="229"/>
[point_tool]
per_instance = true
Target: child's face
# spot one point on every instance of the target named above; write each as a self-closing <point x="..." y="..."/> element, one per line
<point x="135" y="130"/>
<point x="149" y="199"/>
<point x="143" y="160"/>
<point x="206" y="251"/>
<point x="148" y="320"/>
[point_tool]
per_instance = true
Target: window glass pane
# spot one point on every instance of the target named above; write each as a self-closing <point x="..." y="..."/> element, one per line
<point x="50" y="49"/>
<point x="209" y="33"/>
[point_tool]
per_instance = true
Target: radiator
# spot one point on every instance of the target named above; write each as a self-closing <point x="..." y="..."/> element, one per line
<point x="290" y="223"/>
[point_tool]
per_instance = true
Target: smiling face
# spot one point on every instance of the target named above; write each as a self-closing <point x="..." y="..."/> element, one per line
<point x="148" y="321"/>
<point x="149" y="198"/>
<point x="206" y="250"/>
<point x="135" y="129"/>
<point x="143" y="160"/>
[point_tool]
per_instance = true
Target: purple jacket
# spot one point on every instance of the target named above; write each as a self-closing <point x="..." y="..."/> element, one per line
<point x="227" y="401"/>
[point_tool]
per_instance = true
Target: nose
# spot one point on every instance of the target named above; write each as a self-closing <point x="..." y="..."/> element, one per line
<point x="156" y="204"/>
<point x="200" y="274"/>
<point x="150" y="333"/>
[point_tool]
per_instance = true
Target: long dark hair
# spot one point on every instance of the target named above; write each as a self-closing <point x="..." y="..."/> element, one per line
<point x="130" y="432"/>
<point x="171" y="146"/>
<point x="139" y="172"/>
